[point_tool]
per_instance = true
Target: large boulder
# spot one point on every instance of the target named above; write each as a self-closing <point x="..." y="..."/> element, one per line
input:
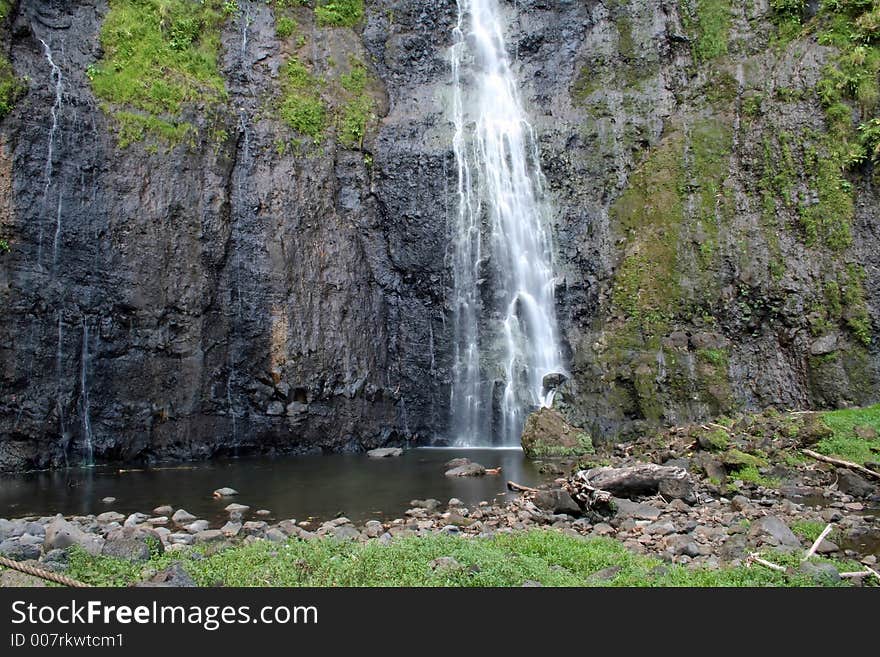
<point x="61" y="534"/>
<point x="548" y="434"/>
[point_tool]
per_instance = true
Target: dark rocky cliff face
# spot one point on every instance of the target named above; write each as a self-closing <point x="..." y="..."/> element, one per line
<point x="235" y="292"/>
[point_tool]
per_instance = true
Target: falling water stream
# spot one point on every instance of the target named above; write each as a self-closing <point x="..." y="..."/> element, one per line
<point x="506" y="338"/>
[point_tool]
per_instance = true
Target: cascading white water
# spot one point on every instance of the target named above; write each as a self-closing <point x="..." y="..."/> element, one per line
<point x="506" y="338"/>
<point x="85" y="411"/>
<point x="57" y="81"/>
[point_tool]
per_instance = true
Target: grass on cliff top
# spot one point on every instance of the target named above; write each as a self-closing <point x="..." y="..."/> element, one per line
<point x="506" y="560"/>
<point x="159" y="57"/>
<point x="845" y="443"/>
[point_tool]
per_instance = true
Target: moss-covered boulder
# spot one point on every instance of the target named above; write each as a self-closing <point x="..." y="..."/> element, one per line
<point x="548" y="434"/>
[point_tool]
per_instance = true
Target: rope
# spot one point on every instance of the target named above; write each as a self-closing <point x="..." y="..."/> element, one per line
<point x="42" y="574"/>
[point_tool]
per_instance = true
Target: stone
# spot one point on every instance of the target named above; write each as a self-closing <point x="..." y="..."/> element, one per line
<point x="639" y="511"/>
<point x="384" y="452"/>
<point x="263" y="512"/>
<point x="454" y="501"/>
<point x="661" y="528"/>
<point x="289" y="527"/>
<point x="345" y="533"/>
<point x="827" y="547"/>
<point x="276" y="535"/>
<point x="556" y="501"/>
<point x="469" y="470"/>
<point x="741" y="503"/>
<point x="374" y="529"/>
<point x="181" y="538"/>
<point x="225" y="492"/>
<point x="128" y="549"/>
<point x="678" y="489"/>
<point x="441" y="564"/>
<point x="197" y="526"/>
<point x="275" y="408"/>
<point x="61" y="534"/>
<point x="231" y="529"/>
<point x="109" y="516"/>
<point x="160" y="520"/>
<point x="135" y="519"/>
<point x="209" y="536"/>
<point x="456" y="462"/>
<point x="682" y="545"/>
<point x="13" y="548"/>
<point x="236" y="508"/>
<point x="532" y="584"/>
<point x="604" y="575"/>
<point x="851" y="483"/>
<point x="773" y="530"/>
<point x="182" y="517"/>
<point x="255" y="528"/>
<point x="164" y="510"/>
<point x="548" y="434"/>
<point x="174" y="575"/>
<point x="108" y="500"/>
<point x="679" y="506"/>
<point x="822" y="572"/>
<point x="11" y="528"/>
<point x="813" y="430"/>
<point x="826" y="344"/>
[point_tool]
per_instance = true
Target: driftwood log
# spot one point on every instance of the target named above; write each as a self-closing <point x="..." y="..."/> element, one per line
<point x="636" y="480"/>
<point x="842" y="463"/>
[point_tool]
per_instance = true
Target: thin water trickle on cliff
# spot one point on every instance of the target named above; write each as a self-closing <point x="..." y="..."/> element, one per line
<point x="56" y="80"/>
<point x="506" y="338"/>
<point x="88" y="447"/>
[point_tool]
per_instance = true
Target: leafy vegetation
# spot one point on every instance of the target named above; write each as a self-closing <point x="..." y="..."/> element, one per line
<point x="301" y="106"/>
<point x="284" y="26"/>
<point x="708" y="22"/>
<point x="548" y="557"/>
<point x="160" y="56"/>
<point x="339" y="13"/>
<point x="845" y="443"/>
<point x="10" y="87"/>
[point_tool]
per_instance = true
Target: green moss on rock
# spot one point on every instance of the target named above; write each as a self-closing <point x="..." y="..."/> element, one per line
<point x="160" y="56"/>
<point x="548" y="434"/>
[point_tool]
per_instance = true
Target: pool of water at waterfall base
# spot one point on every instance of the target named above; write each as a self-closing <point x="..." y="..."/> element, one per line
<point x="318" y="486"/>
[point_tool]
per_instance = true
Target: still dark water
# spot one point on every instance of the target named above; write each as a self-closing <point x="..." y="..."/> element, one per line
<point x="320" y="486"/>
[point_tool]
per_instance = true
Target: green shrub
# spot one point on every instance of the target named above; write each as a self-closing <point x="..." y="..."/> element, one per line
<point x="159" y="56"/>
<point x="340" y="13"/>
<point x="284" y="27"/>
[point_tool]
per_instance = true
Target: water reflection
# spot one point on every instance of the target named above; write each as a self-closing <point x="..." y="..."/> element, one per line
<point x="320" y="486"/>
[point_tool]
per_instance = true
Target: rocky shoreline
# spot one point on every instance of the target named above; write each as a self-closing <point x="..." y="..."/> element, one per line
<point x="736" y="490"/>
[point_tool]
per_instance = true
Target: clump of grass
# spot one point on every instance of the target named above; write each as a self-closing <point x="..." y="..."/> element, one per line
<point x="546" y="556"/>
<point x="301" y="105"/>
<point x="751" y="474"/>
<point x="159" y="57"/>
<point x="11" y="87"/>
<point x="285" y="26"/>
<point x="340" y="13"/>
<point x="845" y="443"/>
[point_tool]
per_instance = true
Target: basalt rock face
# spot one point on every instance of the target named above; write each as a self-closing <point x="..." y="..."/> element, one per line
<point x="226" y="295"/>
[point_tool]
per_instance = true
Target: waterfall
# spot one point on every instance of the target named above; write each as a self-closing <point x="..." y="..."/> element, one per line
<point x="84" y="397"/>
<point x="506" y="338"/>
<point x="57" y="81"/>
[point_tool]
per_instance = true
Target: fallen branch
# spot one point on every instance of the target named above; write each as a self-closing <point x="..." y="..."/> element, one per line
<point x="873" y="572"/>
<point x="767" y="564"/>
<point x="842" y="463"/>
<point x="852" y="575"/>
<point x="816" y="543"/>
<point x="719" y="426"/>
<point x="512" y="485"/>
